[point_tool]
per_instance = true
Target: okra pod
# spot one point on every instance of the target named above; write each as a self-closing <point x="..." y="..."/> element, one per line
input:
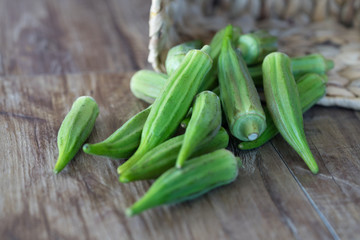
<point x="197" y="177"/>
<point x="255" y="46"/>
<point x="146" y="84"/>
<point x="205" y="121"/>
<point x="177" y="54"/>
<point x="240" y="100"/>
<point x="75" y="129"/>
<point x="217" y="40"/>
<point x="210" y="81"/>
<point x="314" y="63"/>
<point x="173" y="103"/>
<point x="311" y="89"/>
<point x="282" y="99"/>
<point x="161" y="158"/>
<point x="124" y="141"/>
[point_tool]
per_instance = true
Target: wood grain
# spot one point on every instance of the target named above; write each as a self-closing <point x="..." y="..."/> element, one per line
<point x="334" y="141"/>
<point x="72" y="36"/>
<point x="86" y="201"/>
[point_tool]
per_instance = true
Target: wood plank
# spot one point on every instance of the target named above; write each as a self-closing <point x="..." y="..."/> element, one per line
<point x="86" y="201"/>
<point x="72" y="36"/>
<point x="333" y="137"/>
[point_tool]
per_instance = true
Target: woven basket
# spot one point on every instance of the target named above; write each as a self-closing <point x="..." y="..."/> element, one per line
<point x="329" y="27"/>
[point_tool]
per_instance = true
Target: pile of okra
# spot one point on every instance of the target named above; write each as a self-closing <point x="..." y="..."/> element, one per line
<point x="211" y="91"/>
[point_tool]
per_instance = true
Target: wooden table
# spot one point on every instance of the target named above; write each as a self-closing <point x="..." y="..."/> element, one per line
<point x="54" y="51"/>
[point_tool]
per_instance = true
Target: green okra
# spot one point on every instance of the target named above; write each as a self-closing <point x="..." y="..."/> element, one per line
<point x="210" y="81"/>
<point x="177" y="54"/>
<point x="240" y="100"/>
<point x="186" y="120"/>
<point x="161" y="158"/>
<point x="197" y="177"/>
<point x="255" y="46"/>
<point x="217" y="40"/>
<point x="282" y="99"/>
<point x="75" y="129"/>
<point x="124" y="141"/>
<point x="174" y="101"/>
<point x="311" y="87"/>
<point x="314" y="63"/>
<point x="146" y="84"/>
<point x="205" y="120"/>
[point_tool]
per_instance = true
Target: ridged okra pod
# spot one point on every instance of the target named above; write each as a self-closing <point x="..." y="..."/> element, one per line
<point x="210" y="81"/>
<point x="255" y="46"/>
<point x="186" y="120"/>
<point x="311" y="89"/>
<point x="197" y="177"/>
<point x="75" y="129"/>
<point x="205" y="121"/>
<point x="177" y="54"/>
<point x="161" y="158"/>
<point x="146" y="84"/>
<point x="314" y="63"/>
<point x="282" y="99"/>
<point x="173" y="103"/>
<point x="124" y="141"/>
<point x="240" y="100"/>
<point x="217" y="40"/>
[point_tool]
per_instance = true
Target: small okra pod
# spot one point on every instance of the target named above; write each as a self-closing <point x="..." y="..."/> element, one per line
<point x="255" y="46"/>
<point x="185" y="122"/>
<point x="197" y="177"/>
<point x="177" y="54"/>
<point x="217" y="40"/>
<point x="240" y="100"/>
<point x="314" y="63"/>
<point x="124" y="141"/>
<point x="210" y="80"/>
<point x="311" y="89"/>
<point x="205" y="121"/>
<point x="173" y="103"/>
<point x="282" y="99"/>
<point x="75" y="129"/>
<point x="161" y="158"/>
<point x="146" y="84"/>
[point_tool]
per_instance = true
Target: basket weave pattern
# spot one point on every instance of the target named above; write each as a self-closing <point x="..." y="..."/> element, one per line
<point x="329" y="27"/>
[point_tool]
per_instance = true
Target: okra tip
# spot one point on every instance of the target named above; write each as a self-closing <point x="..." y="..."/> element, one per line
<point x="123" y="178"/>
<point x="129" y="212"/>
<point x="329" y="64"/>
<point x="243" y="146"/>
<point x="86" y="148"/>
<point x="312" y="165"/>
<point x="60" y="164"/>
<point x="315" y="170"/>
<point x="92" y="149"/>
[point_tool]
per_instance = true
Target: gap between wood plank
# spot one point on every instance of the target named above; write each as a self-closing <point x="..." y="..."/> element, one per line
<point x="312" y="202"/>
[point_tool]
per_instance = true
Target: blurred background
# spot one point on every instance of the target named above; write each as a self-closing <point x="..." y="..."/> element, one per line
<point x="71" y="36"/>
